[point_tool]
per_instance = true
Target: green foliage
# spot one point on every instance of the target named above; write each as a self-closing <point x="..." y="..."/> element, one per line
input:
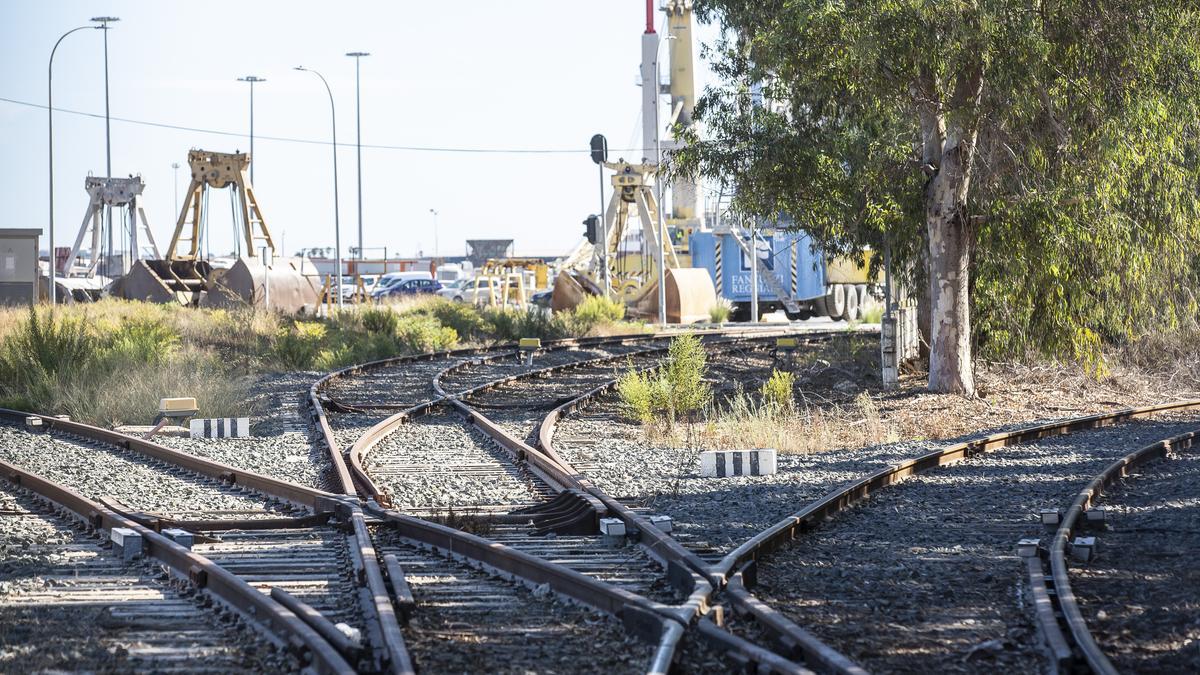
<point x="644" y="395"/>
<point x="596" y="309"/>
<point x="513" y="324"/>
<point x="39" y="353"/>
<point x="778" y="393"/>
<point x="425" y="334"/>
<point x="297" y="347"/>
<point x="379" y="320"/>
<point x="675" y="391"/>
<point x="465" y="319"/>
<point x="1077" y="126"/>
<point x="719" y="313"/>
<point x="140" y="340"/>
<point x="686" y="364"/>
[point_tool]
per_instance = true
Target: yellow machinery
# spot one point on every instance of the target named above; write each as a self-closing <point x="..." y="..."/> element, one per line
<point x="504" y="281"/>
<point x="690" y="293"/>
<point x="183" y="276"/>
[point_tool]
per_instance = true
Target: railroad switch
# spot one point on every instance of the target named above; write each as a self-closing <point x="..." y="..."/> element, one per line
<point x="1028" y="547"/>
<point x="126" y="541"/>
<point x="1083" y="548"/>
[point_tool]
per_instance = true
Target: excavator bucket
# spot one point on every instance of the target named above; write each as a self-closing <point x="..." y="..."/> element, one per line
<point x="690" y="295"/>
<point x="570" y="289"/>
<point x="248" y="282"/>
<point x="164" y="281"/>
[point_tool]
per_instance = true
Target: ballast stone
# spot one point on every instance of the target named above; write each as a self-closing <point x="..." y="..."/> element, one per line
<point x="722" y="463"/>
<point x="221" y="427"/>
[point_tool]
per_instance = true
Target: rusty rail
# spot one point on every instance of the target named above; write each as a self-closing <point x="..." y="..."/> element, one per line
<point x="1091" y="653"/>
<point x="293" y="632"/>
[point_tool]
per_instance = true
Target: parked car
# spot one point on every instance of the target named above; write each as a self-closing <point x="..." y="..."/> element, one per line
<point x="473" y="291"/>
<point x="409" y="287"/>
<point x="349" y="288"/>
<point x="387" y="281"/>
<point x="453" y="290"/>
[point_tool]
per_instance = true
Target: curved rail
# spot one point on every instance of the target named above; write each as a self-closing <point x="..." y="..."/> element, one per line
<point x="737" y="567"/>
<point x="314" y="650"/>
<point x="1076" y="625"/>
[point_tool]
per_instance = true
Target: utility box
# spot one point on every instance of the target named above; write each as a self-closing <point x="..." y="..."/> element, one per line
<point x="19" y="266"/>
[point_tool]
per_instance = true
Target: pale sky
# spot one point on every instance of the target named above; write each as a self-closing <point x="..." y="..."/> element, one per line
<point x="472" y="74"/>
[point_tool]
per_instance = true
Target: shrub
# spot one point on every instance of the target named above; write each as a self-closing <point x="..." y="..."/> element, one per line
<point x="140" y="340"/>
<point x="719" y="313"/>
<point x="41" y="350"/>
<point x="597" y="309"/>
<point x="297" y="348"/>
<point x="674" y="391"/>
<point x="425" y="334"/>
<point x="379" y="320"/>
<point x="465" y="319"/>
<point x="514" y="324"/>
<point x="778" y="394"/>
<point x="686" y="365"/>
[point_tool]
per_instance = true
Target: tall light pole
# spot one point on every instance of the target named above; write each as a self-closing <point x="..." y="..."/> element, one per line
<point x="358" y="145"/>
<point x="252" y="79"/>
<point x="104" y="21"/>
<point x="661" y="237"/>
<point x="50" y="112"/>
<point x="435" y="237"/>
<point x="337" y="223"/>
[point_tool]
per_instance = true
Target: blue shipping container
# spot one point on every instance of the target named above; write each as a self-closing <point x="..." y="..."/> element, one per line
<point x="788" y="255"/>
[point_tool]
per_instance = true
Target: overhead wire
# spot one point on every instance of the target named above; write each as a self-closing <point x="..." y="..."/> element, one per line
<point x="309" y="141"/>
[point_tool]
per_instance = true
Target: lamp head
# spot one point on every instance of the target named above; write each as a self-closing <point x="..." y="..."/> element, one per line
<point x="357" y="54"/>
<point x="105" y="20"/>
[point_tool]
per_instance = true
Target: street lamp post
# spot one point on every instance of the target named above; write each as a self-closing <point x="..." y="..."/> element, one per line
<point x="337" y="224"/>
<point x="50" y="112"/>
<point x="104" y="21"/>
<point x="661" y="225"/>
<point x="252" y="79"/>
<point x="435" y="234"/>
<point x="358" y="145"/>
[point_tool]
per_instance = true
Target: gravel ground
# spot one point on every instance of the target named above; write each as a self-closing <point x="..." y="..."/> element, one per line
<point x="1141" y="595"/>
<point x="924" y="577"/>
<point x="68" y="605"/>
<point x="438" y="461"/>
<point x="280" y="444"/>
<point x="103" y="470"/>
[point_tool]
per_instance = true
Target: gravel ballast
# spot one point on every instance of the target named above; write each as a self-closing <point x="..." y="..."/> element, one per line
<point x="1141" y="595"/>
<point x="924" y="576"/>
<point x="98" y="470"/>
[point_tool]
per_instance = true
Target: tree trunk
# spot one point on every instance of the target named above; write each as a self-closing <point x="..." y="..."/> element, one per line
<point x="949" y="265"/>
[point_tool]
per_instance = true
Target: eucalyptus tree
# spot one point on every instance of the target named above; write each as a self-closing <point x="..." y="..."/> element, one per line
<point x="1048" y="147"/>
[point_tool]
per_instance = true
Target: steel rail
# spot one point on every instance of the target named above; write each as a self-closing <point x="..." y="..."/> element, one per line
<point x="317" y="500"/>
<point x="1072" y="617"/>
<point x="285" y="626"/>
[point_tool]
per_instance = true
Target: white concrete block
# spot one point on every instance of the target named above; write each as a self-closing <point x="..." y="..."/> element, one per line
<point x="1097" y="515"/>
<point x="1050" y="517"/>
<point x="127" y="541"/>
<point x="612" y="527"/>
<point x="662" y="523"/>
<point x="722" y="463"/>
<point x="221" y="427"/>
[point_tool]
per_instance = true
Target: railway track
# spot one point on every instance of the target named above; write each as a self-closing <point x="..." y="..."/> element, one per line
<point x="69" y="602"/>
<point x="1115" y="583"/>
<point x="628" y="584"/>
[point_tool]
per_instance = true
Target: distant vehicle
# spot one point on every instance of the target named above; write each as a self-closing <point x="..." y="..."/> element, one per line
<point x="453" y="290"/>
<point x="349" y="288"/>
<point x="475" y="291"/>
<point x="454" y="272"/>
<point x="387" y="281"/>
<point x="408" y="287"/>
